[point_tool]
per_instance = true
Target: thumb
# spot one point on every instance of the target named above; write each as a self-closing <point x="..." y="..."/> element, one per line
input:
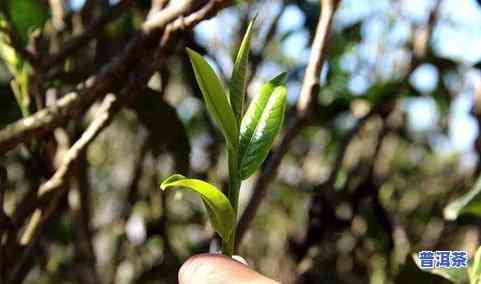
<point x="218" y="269"/>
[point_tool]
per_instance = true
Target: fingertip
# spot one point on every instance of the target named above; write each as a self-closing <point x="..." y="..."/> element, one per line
<point x="217" y="269"/>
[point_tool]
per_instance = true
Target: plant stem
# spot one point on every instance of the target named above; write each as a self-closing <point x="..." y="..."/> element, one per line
<point x="233" y="195"/>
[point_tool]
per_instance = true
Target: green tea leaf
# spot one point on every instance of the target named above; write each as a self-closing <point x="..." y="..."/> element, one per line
<point x="27" y="15"/>
<point x="458" y="275"/>
<point x="237" y="87"/>
<point x="218" y="207"/>
<point x="474" y="270"/>
<point x="260" y="125"/>
<point x="469" y="203"/>
<point x="215" y="98"/>
<point x="253" y="114"/>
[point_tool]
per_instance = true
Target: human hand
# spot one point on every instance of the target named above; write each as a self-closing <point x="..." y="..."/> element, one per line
<point x="219" y="269"/>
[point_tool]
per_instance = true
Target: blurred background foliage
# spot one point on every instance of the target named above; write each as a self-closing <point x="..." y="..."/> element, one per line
<point x="392" y="142"/>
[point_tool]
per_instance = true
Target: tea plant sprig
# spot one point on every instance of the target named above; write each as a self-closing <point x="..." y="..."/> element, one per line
<point x="249" y="136"/>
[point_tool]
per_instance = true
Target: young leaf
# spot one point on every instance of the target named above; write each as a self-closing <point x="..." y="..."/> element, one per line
<point x="238" y="81"/>
<point x="215" y="97"/>
<point x="469" y="203"/>
<point x="26" y="16"/>
<point x="254" y="112"/>
<point x="260" y="125"/>
<point x="218" y="207"/>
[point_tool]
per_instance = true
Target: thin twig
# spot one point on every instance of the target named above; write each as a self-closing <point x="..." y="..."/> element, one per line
<point x="58" y="13"/>
<point x="161" y="19"/>
<point x="102" y="118"/>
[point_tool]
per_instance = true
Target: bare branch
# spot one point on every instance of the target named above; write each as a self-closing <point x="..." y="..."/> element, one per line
<point x="160" y="19"/>
<point x="156" y="6"/>
<point x="58" y="13"/>
<point x="316" y="60"/>
<point x="102" y="118"/>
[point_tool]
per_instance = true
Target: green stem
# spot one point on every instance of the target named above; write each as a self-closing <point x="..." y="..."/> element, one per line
<point x="233" y="195"/>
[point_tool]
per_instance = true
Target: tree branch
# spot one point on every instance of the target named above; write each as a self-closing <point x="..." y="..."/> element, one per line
<point x="59" y="179"/>
<point x="73" y="104"/>
<point x="111" y="105"/>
